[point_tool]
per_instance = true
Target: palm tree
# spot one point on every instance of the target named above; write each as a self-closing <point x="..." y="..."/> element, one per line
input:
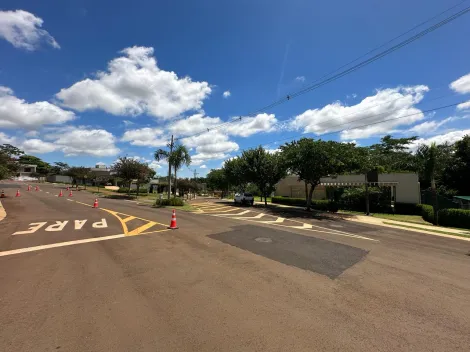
<point x="159" y="155"/>
<point x="429" y="158"/>
<point x="179" y="157"/>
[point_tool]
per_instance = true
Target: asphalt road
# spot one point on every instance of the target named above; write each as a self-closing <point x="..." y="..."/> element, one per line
<point x="229" y="279"/>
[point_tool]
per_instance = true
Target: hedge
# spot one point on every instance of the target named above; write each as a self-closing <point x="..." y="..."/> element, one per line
<point x="454" y="217"/>
<point x="133" y="191"/>
<point x="408" y="209"/>
<point x="178" y="202"/>
<point x="427" y="212"/>
<point x="301" y="202"/>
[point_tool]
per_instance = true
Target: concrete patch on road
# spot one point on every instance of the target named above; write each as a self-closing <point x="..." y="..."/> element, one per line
<point x="308" y="253"/>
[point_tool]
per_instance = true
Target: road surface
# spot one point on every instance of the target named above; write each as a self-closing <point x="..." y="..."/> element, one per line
<point x="75" y="278"/>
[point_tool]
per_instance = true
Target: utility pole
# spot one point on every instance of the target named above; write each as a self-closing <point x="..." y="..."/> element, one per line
<point x="195" y="173"/>
<point x="169" y="168"/>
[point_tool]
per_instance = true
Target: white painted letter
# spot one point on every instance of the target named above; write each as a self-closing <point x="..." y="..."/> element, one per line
<point x="33" y="228"/>
<point x="58" y="226"/>
<point x="100" y="224"/>
<point x="79" y="224"/>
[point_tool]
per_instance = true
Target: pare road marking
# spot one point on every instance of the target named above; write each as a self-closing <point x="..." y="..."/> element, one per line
<point x="60" y="225"/>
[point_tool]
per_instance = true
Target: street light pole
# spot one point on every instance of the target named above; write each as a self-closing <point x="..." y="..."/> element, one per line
<point x="169" y="168"/>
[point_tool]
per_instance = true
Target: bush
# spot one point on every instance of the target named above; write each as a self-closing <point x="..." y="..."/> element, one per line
<point x="133" y="191"/>
<point x="454" y="217"/>
<point x="408" y="209"/>
<point x="323" y="205"/>
<point x="174" y="202"/>
<point x="427" y="212"/>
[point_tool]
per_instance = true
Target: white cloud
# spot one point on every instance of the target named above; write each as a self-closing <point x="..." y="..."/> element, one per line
<point x="227" y="94"/>
<point x="209" y="143"/>
<point x="37" y="146"/>
<point x="430" y="126"/>
<point x="300" y="79"/>
<point x="273" y="151"/>
<point x="450" y="138"/>
<point x="155" y="165"/>
<point x="135" y="85"/>
<point x="251" y="125"/>
<point x="353" y="141"/>
<point x="5" y="139"/>
<point x="17" y="113"/>
<point x="193" y="124"/>
<point x="145" y="137"/>
<point x="78" y="140"/>
<point x="23" y="30"/>
<point x="387" y="104"/>
<point x="461" y="85"/>
<point x="127" y="123"/>
<point x="464" y="106"/>
<point x="203" y="167"/>
<point x="100" y="163"/>
<point x="201" y="158"/>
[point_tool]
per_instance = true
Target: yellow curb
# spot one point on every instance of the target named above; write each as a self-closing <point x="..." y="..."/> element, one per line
<point x="3" y="213"/>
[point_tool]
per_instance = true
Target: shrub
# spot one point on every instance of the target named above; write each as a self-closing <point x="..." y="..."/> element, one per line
<point x="133" y="191"/>
<point x="323" y="205"/>
<point x="175" y="202"/>
<point x="408" y="209"/>
<point x="427" y="212"/>
<point x="454" y="218"/>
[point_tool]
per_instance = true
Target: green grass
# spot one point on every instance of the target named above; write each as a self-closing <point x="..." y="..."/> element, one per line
<point x="430" y="230"/>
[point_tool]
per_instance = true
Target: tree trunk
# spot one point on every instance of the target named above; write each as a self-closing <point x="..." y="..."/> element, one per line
<point x="306" y="192"/>
<point x="129" y="189"/>
<point x="310" y="194"/>
<point x="176" y="182"/>
<point x="169" y="180"/>
<point x="434" y="200"/>
<point x="265" y="201"/>
<point x="137" y="193"/>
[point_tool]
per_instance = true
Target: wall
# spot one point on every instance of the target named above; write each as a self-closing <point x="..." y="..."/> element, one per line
<point x="291" y="187"/>
<point x="59" y="178"/>
<point x="408" y="188"/>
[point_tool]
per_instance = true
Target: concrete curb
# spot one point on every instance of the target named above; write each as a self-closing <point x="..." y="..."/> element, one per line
<point x="380" y="223"/>
<point x="3" y="213"/>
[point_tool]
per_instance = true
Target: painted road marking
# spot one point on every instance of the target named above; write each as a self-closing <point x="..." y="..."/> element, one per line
<point x="60" y="244"/>
<point x="214" y="209"/>
<point x="223" y="215"/>
<point x="277" y="221"/>
<point x="124" y="220"/>
<point x="226" y="211"/>
<point x="60" y="225"/>
<point x="259" y="216"/>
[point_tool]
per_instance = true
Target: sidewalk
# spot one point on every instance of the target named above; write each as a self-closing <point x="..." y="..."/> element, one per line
<point x="428" y="229"/>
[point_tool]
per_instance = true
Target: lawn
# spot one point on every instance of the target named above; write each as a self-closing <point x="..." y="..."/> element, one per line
<point x="430" y="230"/>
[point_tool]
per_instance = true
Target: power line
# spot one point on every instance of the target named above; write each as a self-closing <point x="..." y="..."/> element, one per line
<point x="353" y="68"/>
<point x="361" y="126"/>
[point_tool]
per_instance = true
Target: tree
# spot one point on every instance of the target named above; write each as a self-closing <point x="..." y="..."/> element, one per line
<point x="263" y="169"/>
<point x="312" y="159"/>
<point x="429" y="156"/>
<point x="456" y="174"/>
<point x="128" y="169"/>
<point x="59" y="168"/>
<point x="179" y="157"/>
<point x="8" y="165"/>
<point x="78" y="173"/>
<point x="42" y="168"/>
<point x="216" y="180"/>
<point x="162" y="154"/>
<point x="392" y="154"/>
<point x="235" y="173"/>
<point x="145" y="174"/>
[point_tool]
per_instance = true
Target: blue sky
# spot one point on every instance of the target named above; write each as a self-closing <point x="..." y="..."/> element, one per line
<point x="88" y="81"/>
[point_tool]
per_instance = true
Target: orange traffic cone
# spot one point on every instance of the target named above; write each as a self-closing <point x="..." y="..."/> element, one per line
<point x="3" y="194"/>
<point x="68" y="188"/>
<point x="95" y="204"/>
<point x="61" y="194"/>
<point x="29" y="188"/>
<point x="173" y="225"/>
<point x="37" y="188"/>
<point x="70" y="194"/>
<point x="17" y="193"/>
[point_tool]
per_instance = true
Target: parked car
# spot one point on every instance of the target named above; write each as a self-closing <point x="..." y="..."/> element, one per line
<point x="244" y="198"/>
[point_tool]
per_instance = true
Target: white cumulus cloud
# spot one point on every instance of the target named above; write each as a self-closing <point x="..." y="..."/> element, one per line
<point x="193" y="124"/>
<point x="37" y="146"/>
<point x="387" y="104"/>
<point x="23" y="30"/>
<point x="17" y="113"/>
<point x="135" y="85"/>
<point x="251" y="125"/>
<point x="464" y="106"/>
<point x="226" y="94"/>
<point x="450" y="138"/>
<point x="145" y="137"/>
<point x="203" y="166"/>
<point x="461" y="85"/>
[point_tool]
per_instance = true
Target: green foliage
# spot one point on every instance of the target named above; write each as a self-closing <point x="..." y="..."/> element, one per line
<point x="129" y="169"/>
<point x="408" y="209"/>
<point x="8" y="167"/>
<point x="454" y="217"/>
<point x="312" y="159"/>
<point x="42" y="168"/>
<point x="174" y="202"/>
<point x="456" y="174"/>
<point x="10" y="150"/>
<point x="392" y="155"/>
<point x="323" y="205"/>
<point x="216" y="180"/>
<point x="142" y="191"/>
<point x="427" y="212"/>
<point x="354" y="198"/>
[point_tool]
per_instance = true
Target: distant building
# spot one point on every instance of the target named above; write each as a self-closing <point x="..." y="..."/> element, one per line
<point x="404" y="187"/>
<point x="27" y="170"/>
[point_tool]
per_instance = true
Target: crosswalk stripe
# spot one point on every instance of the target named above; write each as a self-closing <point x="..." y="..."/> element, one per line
<point x="277" y="221"/>
<point x="242" y="213"/>
<point x="259" y="216"/>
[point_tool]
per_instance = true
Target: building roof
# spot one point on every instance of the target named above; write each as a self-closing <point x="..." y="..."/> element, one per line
<point x="463" y="197"/>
